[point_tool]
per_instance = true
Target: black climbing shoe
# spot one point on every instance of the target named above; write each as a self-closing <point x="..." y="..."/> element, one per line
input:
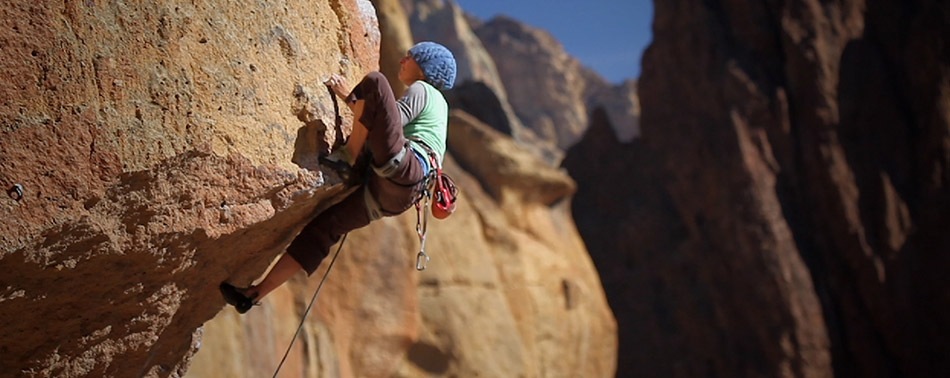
<point x="234" y="298"/>
<point x="341" y="167"/>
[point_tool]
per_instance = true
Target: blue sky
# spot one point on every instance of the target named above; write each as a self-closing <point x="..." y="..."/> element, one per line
<point x="608" y="36"/>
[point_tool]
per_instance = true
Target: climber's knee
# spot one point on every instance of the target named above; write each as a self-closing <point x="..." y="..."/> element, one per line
<point x="376" y="77"/>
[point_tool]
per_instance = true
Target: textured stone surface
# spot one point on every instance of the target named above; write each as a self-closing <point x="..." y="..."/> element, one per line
<point x="783" y="213"/>
<point x="480" y="101"/>
<point x="544" y="84"/>
<point x="156" y="144"/>
<point x="396" y="40"/>
<point x="550" y="91"/>
<point x="620" y="102"/>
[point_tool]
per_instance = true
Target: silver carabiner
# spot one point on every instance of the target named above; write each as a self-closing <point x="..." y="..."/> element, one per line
<point x="422" y="259"/>
<point x="422" y="223"/>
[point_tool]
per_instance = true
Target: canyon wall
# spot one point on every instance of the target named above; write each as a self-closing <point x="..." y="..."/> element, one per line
<point x="784" y="211"/>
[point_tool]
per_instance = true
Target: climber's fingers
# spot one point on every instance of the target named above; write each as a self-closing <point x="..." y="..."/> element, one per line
<point x="338" y="84"/>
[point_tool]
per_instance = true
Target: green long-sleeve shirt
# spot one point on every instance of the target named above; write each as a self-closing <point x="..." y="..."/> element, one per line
<point x="425" y="116"/>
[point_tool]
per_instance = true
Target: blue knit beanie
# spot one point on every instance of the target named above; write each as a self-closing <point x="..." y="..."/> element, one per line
<point x="437" y="63"/>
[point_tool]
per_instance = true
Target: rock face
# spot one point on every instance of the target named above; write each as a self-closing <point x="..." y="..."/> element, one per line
<point x="640" y="248"/>
<point x="396" y="40"/>
<point x="784" y="212"/>
<point x="620" y="102"/>
<point x="156" y="149"/>
<point x="528" y="61"/>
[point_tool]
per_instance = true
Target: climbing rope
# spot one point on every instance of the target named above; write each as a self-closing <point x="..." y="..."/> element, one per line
<point x="312" y="300"/>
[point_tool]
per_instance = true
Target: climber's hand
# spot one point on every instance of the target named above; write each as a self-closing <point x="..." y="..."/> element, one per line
<point x="338" y="84"/>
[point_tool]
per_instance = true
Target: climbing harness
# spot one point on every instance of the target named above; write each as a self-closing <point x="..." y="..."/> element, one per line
<point x="309" y="306"/>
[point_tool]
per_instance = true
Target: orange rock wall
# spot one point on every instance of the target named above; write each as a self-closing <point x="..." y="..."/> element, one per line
<point x="160" y="148"/>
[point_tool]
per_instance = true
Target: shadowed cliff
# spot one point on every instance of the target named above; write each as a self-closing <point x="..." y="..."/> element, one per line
<point x="783" y="213"/>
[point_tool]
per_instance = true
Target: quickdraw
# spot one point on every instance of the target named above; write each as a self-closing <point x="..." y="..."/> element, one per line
<point x="439" y="187"/>
<point x="422" y="204"/>
<point x="422" y="222"/>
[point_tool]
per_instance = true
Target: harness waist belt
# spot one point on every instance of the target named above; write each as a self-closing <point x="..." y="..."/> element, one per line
<point x="424" y="149"/>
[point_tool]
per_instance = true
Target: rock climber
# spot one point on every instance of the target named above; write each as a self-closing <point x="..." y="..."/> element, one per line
<point x="395" y="137"/>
